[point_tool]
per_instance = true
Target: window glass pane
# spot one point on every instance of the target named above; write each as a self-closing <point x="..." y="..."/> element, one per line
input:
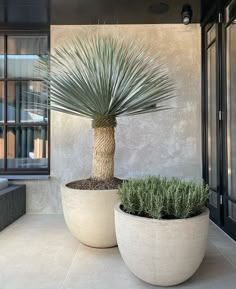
<point x="211" y="34"/>
<point x="1" y="148"/>
<point x="212" y="145"/>
<point x="232" y="210"/>
<point x="231" y="11"/>
<point x="21" y="96"/>
<point x="1" y="101"/>
<point x="1" y="56"/>
<point x="27" y="147"/>
<point x="231" y="106"/>
<point x="26" y="139"/>
<point x="213" y="198"/>
<point x="23" y="55"/>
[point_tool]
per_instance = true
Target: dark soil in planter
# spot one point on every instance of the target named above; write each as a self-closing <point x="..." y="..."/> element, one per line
<point x="91" y="184"/>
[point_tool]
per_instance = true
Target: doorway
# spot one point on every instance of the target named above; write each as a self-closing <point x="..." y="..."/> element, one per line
<point x="219" y="116"/>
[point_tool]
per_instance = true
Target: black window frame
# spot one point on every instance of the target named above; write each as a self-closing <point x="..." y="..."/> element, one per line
<point x="33" y="30"/>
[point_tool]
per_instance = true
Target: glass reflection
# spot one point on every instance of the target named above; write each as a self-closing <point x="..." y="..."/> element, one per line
<point x="22" y="99"/>
<point x="2" y="101"/>
<point x="231" y="11"/>
<point x="212" y="145"/>
<point x="1" y="56"/>
<point x="211" y="35"/>
<point x="24" y="53"/>
<point x="213" y="198"/>
<point x="231" y="105"/>
<point x="232" y="210"/>
<point x="1" y="148"/>
<point x="27" y="147"/>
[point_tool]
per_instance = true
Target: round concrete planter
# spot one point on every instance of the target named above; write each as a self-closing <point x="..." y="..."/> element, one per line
<point x="89" y="214"/>
<point x="161" y="252"/>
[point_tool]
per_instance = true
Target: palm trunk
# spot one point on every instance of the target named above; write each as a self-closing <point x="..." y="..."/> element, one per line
<point x="103" y="153"/>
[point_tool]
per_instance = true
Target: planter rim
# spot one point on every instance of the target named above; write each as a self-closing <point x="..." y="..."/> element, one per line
<point x="65" y="186"/>
<point x="145" y="219"/>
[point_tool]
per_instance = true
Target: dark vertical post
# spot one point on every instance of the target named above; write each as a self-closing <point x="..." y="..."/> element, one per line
<point x="23" y="142"/>
<point x="43" y="137"/>
<point x="203" y="104"/>
<point x="220" y="96"/>
<point x="29" y="141"/>
<point x="18" y="97"/>
<point x="5" y="103"/>
<point x="17" y="91"/>
<point x="18" y="146"/>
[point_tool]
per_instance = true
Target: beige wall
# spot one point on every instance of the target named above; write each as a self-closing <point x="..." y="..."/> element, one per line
<point x="166" y="143"/>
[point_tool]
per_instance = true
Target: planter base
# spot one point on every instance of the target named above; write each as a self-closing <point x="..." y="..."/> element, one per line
<point x="89" y="214"/>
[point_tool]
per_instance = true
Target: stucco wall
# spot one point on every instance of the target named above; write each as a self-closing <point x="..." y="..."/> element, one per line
<point x="166" y="143"/>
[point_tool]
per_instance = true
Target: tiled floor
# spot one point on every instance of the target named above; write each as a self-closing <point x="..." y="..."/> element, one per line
<point x="38" y="252"/>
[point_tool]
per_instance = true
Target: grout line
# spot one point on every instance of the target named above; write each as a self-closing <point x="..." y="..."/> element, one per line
<point x="69" y="269"/>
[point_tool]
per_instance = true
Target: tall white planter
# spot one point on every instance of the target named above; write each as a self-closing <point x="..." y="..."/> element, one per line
<point x="89" y="215"/>
<point x="162" y="252"/>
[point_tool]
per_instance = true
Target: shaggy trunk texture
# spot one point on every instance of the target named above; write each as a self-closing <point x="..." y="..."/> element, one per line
<point x="103" y="153"/>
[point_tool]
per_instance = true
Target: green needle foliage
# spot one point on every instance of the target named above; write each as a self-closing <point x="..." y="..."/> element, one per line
<point x="160" y="198"/>
<point x="101" y="77"/>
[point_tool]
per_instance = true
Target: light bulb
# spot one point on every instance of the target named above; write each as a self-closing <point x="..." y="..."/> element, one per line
<point x="186" y="20"/>
<point x="186" y="14"/>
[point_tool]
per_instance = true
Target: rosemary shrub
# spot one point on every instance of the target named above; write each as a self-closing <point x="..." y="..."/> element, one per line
<point x="161" y="198"/>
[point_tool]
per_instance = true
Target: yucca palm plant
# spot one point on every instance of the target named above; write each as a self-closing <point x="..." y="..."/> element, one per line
<point x="101" y="78"/>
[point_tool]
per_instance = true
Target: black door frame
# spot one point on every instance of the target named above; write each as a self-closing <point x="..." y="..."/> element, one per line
<point x="219" y="216"/>
<point x="229" y="224"/>
<point x="215" y="213"/>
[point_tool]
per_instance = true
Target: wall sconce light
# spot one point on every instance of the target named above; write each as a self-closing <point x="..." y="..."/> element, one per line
<point x="187" y="14"/>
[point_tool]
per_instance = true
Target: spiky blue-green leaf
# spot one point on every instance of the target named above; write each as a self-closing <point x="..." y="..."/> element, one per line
<point x="102" y="76"/>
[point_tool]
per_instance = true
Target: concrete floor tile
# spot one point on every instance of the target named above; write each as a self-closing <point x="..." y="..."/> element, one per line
<point x="104" y="269"/>
<point x="223" y="243"/>
<point x="36" y="253"/>
<point x="100" y="269"/>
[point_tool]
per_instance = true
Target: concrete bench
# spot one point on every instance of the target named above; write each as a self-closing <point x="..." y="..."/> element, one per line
<point x="12" y="204"/>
